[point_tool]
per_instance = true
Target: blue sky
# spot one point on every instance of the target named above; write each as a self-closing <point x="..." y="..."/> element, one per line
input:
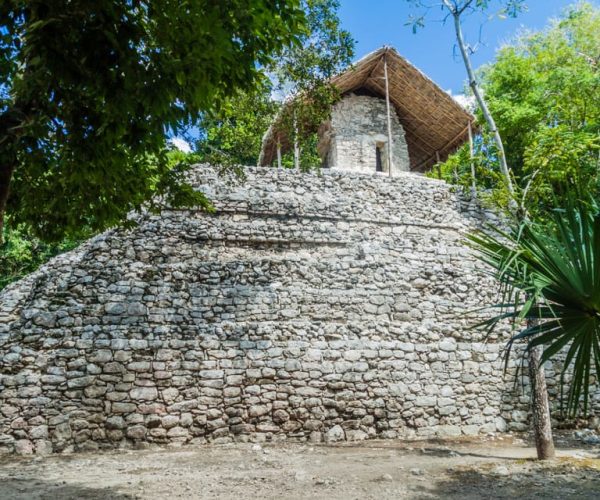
<point x="374" y="23"/>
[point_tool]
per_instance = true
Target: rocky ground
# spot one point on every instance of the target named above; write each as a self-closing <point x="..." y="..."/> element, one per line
<point x="500" y="467"/>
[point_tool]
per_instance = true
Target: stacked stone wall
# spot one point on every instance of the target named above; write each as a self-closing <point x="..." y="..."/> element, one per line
<point x="306" y="307"/>
<point x="358" y="125"/>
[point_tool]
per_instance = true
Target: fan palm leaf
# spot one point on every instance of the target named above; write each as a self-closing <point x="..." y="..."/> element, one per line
<point x="549" y="279"/>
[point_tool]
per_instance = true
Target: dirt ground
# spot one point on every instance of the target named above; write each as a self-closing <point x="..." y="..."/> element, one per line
<point x="501" y="467"/>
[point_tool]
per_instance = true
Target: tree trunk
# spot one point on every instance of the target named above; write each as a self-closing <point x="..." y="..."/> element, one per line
<point x="479" y="97"/>
<point x="6" y="171"/>
<point x="540" y="408"/>
<point x="539" y="393"/>
<point x="471" y="155"/>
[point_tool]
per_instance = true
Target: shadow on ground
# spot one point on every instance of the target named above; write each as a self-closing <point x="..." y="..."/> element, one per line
<point x="35" y="489"/>
<point x="524" y="480"/>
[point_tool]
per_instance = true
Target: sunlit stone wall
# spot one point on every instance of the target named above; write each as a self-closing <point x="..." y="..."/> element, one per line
<point x="308" y="306"/>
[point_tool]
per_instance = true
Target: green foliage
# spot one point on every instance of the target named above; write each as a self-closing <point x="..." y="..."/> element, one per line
<point x="22" y="254"/>
<point x="300" y="118"/>
<point x="309" y="158"/>
<point x="490" y="185"/>
<point x="324" y="49"/>
<point x="490" y="8"/>
<point x="91" y="89"/>
<point x="550" y="281"/>
<point x="233" y="134"/>
<point x="544" y="93"/>
<point x="303" y="72"/>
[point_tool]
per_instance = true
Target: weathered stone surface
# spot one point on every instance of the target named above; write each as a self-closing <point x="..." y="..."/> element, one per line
<point x="280" y="416"/>
<point x="358" y="126"/>
<point x="426" y="401"/>
<point x="23" y="447"/>
<point x="43" y="447"/>
<point x="39" y="432"/>
<point x="170" y="421"/>
<point x="257" y="411"/>
<point x="136" y="432"/>
<point x="177" y="432"/>
<point x="144" y="393"/>
<point x="336" y="433"/>
<point x="95" y="391"/>
<point x="115" y="308"/>
<point x="81" y="382"/>
<point x="45" y="319"/>
<point x="115" y="422"/>
<point x="315" y="307"/>
<point x="136" y="309"/>
<point x="356" y="435"/>
<point x="123" y="407"/>
<point x="101" y="356"/>
<point x="62" y="432"/>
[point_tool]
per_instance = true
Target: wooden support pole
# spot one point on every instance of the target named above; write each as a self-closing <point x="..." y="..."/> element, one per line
<point x="278" y="155"/>
<point x="437" y="164"/>
<point x="389" y="119"/>
<point x="296" y="146"/>
<point x="471" y="155"/>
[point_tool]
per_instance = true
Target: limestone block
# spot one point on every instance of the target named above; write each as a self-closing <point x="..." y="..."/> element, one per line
<point x="144" y="393"/>
<point x="336" y="433"/>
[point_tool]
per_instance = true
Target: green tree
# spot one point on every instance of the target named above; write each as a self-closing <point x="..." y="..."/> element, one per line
<point x="22" y="252"/>
<point x="232" y="135"/>
<point x="300" y="74"/>
<point x="457" y="10"/>
<point x="544" y="92"/>
<point x="304" y="71"/>
<point x="92" y="87"/>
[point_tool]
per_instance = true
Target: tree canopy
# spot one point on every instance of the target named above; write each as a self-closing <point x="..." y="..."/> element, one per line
<point x="233" y="133"/>
<point x="544" y="92"/>
<point x="91" y="89"/>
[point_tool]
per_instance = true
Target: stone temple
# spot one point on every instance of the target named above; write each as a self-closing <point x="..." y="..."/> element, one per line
<point x="425" y="123"/>
<point x="318" y="306"/>
<point x="355" y="136"/>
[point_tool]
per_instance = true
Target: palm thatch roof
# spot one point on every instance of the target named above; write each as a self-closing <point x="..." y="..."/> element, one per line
<point x="434" y="123"/>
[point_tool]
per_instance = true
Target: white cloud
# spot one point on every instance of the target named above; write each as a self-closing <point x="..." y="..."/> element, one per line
<point x="466" y="101"/>
<point x="181" y="144"/>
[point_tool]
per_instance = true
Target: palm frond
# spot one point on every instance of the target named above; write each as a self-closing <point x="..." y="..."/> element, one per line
<point x="549" y="278"/>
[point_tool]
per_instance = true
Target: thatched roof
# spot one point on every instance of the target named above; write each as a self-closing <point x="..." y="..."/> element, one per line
<point x="434" y="123"/>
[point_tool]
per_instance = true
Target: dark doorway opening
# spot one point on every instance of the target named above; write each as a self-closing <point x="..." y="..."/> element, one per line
<point x="378" y="159"/>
